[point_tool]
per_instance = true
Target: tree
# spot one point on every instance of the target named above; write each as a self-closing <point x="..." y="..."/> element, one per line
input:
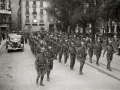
<point x="62" y="12"/>
<point x="109" y="12"/>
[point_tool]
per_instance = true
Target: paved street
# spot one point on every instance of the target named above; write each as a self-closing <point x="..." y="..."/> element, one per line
<point x="17" y="72"/>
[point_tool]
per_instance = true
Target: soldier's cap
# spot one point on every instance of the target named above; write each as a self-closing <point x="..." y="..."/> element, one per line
<point x="66" y="40"/>
<point x="72" y="43"/>
<point x="98" y="40"/>
<point x="49" y="47"/>
<point x="82" y="43"/>
<point x="110" y="41"/>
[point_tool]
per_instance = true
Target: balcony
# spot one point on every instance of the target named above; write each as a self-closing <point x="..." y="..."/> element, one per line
<point x="34" y="13"/>
<point x="27" y="22"/>
<point x="41" y="24"/>
<point x="34" y="6"/>
<point x="5" y="12"/>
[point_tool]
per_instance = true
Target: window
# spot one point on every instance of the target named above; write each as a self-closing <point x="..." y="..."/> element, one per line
<point x="41" y="11"/>
<point x="27" y="10"/>
<point x="34" y="2"/>
<point x="41" y="21"/>
<point x="41" y="4"/>
<point x="27" y="17"/>
<point x="27" y="3"/>
<point x="34" y="19"/>
<point x="34" y="11"/>
<point x="3" y="6"/>
<point x="4" y="19"/>
<point x="27" y="21"/>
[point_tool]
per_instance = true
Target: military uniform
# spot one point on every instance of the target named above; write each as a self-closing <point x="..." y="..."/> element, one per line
<point x="90" y="47"/>
<point x="40" y="65"/>
<point x="65" y="51"/>
<point x="60" y="50"/>
<point x="110" y="50"/>
<point x="98" y="49"/>
<point x="81" y="56"/>
<point x="72" y="52"/>
<point x="50" y="57"/>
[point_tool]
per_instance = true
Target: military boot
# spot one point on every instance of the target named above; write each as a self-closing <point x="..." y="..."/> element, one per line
<point x="41" y="81"/>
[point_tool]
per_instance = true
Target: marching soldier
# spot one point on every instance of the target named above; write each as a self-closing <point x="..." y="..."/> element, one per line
<point x="55" y="48"/>
<point x="81" y="56"/>
<point x="65" y="51"/>
<point x="98" y="49"/>
<point x="90" y="47"/>
<point x="50" y="57"/>
<point x="110" y="50"/>
<point x="60" y="50"/>
<point x="40" y="65"/>
<point x="78" y="42"/>
<point x="72" y="52"/>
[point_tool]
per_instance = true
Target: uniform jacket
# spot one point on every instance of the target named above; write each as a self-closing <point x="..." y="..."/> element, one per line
<point x="82" y="53"/>
<point x="110" y="50"/>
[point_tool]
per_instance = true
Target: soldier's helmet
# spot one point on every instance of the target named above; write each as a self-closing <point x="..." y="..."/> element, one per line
<point x="110" y="42"/>
<point x="49" y="47"/>
<point x="98" y="40"/>
<point x="42" y="49"/>
<point x="72" y="43"/>
<point x="82" y="43"/>
<point x="66" y="40"/>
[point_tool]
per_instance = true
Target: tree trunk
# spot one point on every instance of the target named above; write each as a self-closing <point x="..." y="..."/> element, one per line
<point x="93" y="31"/>
<point x="107" y="33"/>
<point x="84" y="32"/>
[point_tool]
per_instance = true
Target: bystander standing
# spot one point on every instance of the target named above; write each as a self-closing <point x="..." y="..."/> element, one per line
<point x="0" y="39"/>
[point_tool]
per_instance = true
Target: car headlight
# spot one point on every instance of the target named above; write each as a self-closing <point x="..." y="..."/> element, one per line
<point x="21" y="44"/>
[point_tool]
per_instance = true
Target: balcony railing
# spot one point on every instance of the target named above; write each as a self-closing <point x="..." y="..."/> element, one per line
<point x="27" y="22"/>
<point x="5" y="12"/>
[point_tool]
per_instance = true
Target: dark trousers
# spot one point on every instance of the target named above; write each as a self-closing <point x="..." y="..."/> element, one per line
<point x="60" y="56"/>
<point x="119" y="51"/>
<point x="65" y="57"/>
<point x="72" y="60"/>
<point x="25" y="40"/>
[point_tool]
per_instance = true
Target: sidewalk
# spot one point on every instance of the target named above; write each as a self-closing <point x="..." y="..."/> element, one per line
<point x="115" y="65"/>
<point x="2" y="45"/>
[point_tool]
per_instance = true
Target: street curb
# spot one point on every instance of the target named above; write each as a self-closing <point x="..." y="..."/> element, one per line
<point x="104" y="72"/>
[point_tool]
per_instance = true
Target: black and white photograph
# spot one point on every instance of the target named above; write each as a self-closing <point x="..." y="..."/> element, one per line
<point x="59" y="44"/>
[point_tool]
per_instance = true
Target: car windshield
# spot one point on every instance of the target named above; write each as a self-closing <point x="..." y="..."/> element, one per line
<point x="14" y="37"/>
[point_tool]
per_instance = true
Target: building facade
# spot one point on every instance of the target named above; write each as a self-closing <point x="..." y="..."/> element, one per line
<point x="5" y="16"/>
<point x="33" y="15"/>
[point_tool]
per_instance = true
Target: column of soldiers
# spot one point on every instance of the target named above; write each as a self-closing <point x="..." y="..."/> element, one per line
<point x="52" y="45"/>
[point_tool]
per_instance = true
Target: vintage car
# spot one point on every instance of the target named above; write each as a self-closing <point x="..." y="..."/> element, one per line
<point x="14" y="42"/>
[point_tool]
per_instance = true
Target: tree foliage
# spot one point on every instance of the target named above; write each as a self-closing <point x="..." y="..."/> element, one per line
<point x="70" y="12"/>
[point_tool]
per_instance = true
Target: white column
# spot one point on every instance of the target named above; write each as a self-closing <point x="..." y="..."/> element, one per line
<point x="109" y="30"/>
<point x="115" y="28"/>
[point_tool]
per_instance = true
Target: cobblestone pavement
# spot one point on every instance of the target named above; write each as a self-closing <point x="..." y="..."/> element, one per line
<point x="17" y="72"/>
